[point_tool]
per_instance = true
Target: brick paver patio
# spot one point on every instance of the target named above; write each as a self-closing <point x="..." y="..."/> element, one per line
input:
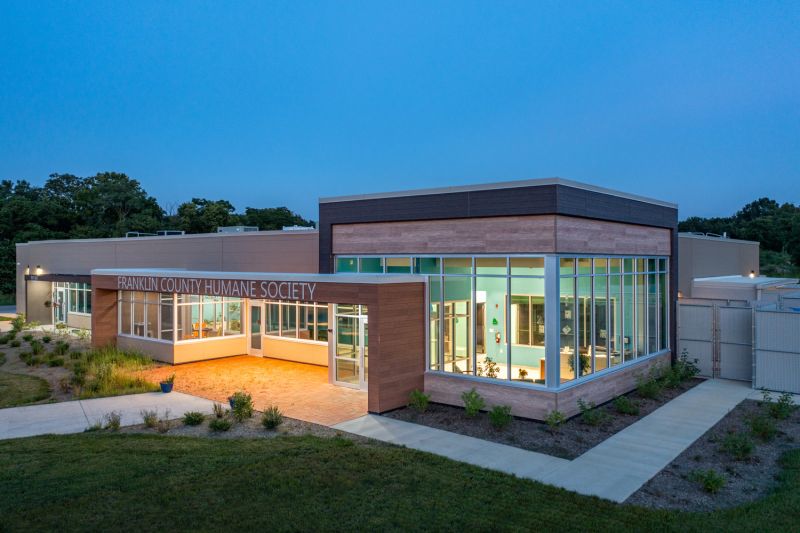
<point x="301" y="391"/>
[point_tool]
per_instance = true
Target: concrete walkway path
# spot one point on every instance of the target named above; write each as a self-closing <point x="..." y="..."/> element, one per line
<point x="614" y="469"/>
<point x="76" y="416"/>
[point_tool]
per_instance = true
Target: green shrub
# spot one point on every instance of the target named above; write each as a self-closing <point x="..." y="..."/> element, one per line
<point x="219" y="410"/>
<point x="150" y="418"/>
<point x="28" y="337"/>
<point x="649" y="388"/>
<point x="738" y="445"/>
<point x="163" y="425"/>
<point x="46" y="339"/>
<point x="781" y="409"/>
<point x="55" y="361"/>
<point x="418" y="400"/>
<point x="4" y="339"/>
<point x="15" y="343"/>
<point x="473" y="402"/>
<point x="590" y="414"/>
<point x="500" y="416"/>
<point x="36" y="360"/>
<point x="74" y="355"/>
<point x="113" y="421"/>
<point x="626" y="406"/>
<point x="18" y="323"/>
<point x="219" y="424"/>
<point x="554" y="420"/>
<point x="110" y="371"/>
<point x="37" y="347"/>
<point x="2" y="358"/>
<point x="763" y="427"/>
<point x="241" y="406"/>
<point x="193" y="418"/>
<point x="272" y="417"/>
<point x="709" y="479"/>
<point x="26" y="357"/>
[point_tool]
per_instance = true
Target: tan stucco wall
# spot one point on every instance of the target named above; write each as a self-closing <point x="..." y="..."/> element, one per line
<point x="160" y="351"/>
<point x="703" y="257"/>
<point x="300" y="352"/>
<point x="211" y="349"/>
<point x="264" y="251"/>
<point x="38" y="293"/>
<point x="79" y="321"/>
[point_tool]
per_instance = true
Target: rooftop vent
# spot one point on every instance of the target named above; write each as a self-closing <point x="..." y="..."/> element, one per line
<point x="297" y="228"/>
<point x="236" y="229"/>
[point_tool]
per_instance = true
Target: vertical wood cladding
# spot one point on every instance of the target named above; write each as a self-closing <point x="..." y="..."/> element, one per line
<point x="554" y="199"/>
<point x="104" y="317"/>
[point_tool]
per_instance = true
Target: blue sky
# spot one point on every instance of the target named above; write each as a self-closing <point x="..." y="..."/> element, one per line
<point x="278" y="103"/>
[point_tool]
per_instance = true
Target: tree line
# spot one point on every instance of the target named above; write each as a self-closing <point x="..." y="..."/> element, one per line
<point x="109" y="204"/>
<point x="776" y="226"/>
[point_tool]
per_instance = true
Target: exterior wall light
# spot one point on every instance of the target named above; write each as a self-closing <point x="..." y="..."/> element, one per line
<point x="27" y="270"/>
<point x="38" y="270"/>
<point x="752" y="274"/>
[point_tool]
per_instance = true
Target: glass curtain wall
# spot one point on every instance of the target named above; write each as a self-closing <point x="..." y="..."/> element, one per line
<point x="296" y="320"/>
<point x="487" y="316"/>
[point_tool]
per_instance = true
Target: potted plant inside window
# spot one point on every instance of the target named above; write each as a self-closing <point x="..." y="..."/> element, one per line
<point x="166" y="384"/>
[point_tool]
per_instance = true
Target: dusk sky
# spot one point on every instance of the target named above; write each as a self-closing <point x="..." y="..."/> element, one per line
<point x="279" y="103"/>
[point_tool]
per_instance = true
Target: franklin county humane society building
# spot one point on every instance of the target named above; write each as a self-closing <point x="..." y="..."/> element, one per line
<point x="535" y="293"/>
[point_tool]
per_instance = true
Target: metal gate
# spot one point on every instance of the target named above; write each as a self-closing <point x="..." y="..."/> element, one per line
<point x="720" y="337"/>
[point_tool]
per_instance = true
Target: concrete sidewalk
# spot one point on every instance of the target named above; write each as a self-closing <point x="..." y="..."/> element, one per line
<point x="76" y="416"/>
<point x="614" y="469"/>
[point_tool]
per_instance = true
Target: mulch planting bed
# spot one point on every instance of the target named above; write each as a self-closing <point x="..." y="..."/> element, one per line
<point x="746" y="480"/>
<point x="250" y="428"/>
<point x="571" y="440"/>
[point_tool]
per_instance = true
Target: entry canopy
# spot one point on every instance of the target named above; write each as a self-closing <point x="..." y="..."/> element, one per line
<point x="257" y="285"/>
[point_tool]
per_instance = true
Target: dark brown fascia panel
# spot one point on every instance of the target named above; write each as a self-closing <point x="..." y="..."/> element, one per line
<point x="71" y="278"/>
<point x="551" y="199"/>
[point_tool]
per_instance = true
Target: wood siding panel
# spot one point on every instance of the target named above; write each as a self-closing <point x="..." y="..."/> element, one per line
<point x="584" y="236"/>
<point x="104" y="317"/>
<point x="517" y="234"/>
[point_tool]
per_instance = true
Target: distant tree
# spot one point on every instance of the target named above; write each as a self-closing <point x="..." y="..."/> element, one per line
<point x="273" y="218"/>
<point x="205" y="216"/>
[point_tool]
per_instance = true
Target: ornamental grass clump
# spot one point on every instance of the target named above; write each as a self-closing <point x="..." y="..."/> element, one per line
<point x="711" y="481"/>
<point x="109" y="371"/>
<point x="500" y="416"/>
<point x="763" y="427"/>
<point x="272" y="417"/>
<point x="219" y="424"/>
<point x="193" y="418"/>
<point x="737" y="445"/>
<point x="149" y="417"/>
<point x="113" y="421"/>
<point x="418" y="400"/>
<point x="780" y="409"/>
<point x="473" y="402"/>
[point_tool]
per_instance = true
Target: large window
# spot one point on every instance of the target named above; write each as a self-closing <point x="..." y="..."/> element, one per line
<point x="77" y="296"/>
<point x="295" y="320"/>
<point x="487" y="316"/>
<point x="184" y="317"/>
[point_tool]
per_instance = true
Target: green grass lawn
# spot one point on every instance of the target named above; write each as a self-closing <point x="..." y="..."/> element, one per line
<point x="5" y="319"/>
<point x="142" y="482"/>
<point x="16" y="389"/>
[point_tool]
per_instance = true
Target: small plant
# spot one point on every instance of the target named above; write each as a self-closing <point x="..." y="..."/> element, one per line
<point x="18" y="323"/>
<point x="763" y="427"/>
<point x="737" y="445"/>
<point x="193" y="418"/>
<point x="46" y="339"/>
<point x="74" y="355"/>
<point x="28" y="337"/>
<point x="709" y="479"/>
<point x="649" y="387"/>
<point x="15" y="343"/>
<point x="626" y="406"/>
<point x="590" y="414"/>
<point x="418" y="400"/>
<point x="523" y="374"/>
<point x="97" y="426"/>
<point x="219" y="410"/>
<point x="219" y="424"/>
<point x="60" y="348"/>
<point x="150" y="418"/>
<point x="500" y="416"/>
<point x="554" y="420"/>
<point x="37" y="347"/>
<point x="55" y="361"/>
<point x="781" y="409"/>
<point x="272" y="417"/>
<point x="473" y="402"/>
<point x="169" y="379"/>
<point x="113" y="421"/>
<point x="241" y="406"/>
<point x="164" y="423"/>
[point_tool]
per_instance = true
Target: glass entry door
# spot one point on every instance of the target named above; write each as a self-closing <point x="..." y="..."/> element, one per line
<point x="59" y="305"/>
<point x="351" y="346"/>
<point x="255" y="328"/>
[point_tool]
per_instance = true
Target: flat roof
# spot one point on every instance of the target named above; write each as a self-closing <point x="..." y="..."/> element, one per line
<point x="374" y="279"/>
<point x="690" y="235"/>
<point x="219" y="235"/>
<point x="743" y="281"/>
<point x="498" y="185"/>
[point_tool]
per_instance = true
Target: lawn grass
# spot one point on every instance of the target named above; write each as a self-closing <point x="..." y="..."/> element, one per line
<point x="108" y="482"/>
<point x="6" y="318"/>
<point x="17" y="389"/>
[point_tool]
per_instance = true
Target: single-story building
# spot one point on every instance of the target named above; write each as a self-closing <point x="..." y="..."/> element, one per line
<point x="536" y="293"/>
